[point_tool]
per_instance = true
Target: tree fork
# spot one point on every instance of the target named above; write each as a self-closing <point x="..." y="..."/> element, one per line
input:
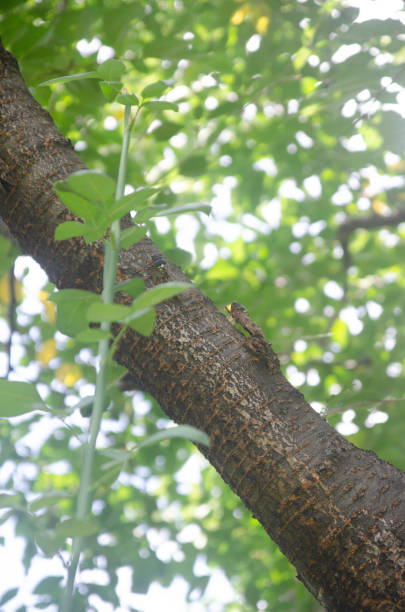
<point x="336" y="512"/>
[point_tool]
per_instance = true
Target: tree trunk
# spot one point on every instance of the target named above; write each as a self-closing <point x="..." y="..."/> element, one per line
<point x="337" y="512"/>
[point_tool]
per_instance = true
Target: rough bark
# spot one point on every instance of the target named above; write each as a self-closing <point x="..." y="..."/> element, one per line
<point x="335" y="511"/>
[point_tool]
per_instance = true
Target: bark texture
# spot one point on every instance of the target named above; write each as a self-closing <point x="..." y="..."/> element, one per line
<point x="336" y="512"/>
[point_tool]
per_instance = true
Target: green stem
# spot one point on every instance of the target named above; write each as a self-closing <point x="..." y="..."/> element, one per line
<point x="109" y="273"/>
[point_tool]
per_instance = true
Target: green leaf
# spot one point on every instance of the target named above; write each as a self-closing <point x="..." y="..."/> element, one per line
<point x="309" y="84"/>
<point x="117" y="454"/>
<point x="90" y="184"/>
<point x="18" y="398"/>
<point x="373" y="139"/>
<point x="48" y="585"/>
<point x="70" y="77"/>
<point x="157" y="105"/>
<point x="131" y="235"/>
<point x="145" y="214"/>
<point x="49" y="542"/>
<point x="8" y="253"/>
<point x="185" y="208"/>
<point x="49" y="498"/>
<point x="179" y="256"/>
<point x="92" y="335"/>
<point x="194" y="165"/>
<point x="9" y="594"/>
<point x="78" y="205"/>
<point x="73" y="528"/>
<point x="157" y="294"/>
<point x="143" y="321"/>
<point x="127" y="99"/>
<point x="111" y="70"/>
<point x="99" y="312"/>
<point x="73" y="295"/>
<point x="301" y="57"/>
<point x="132" y="201"/>
<point x="133" y="286"/>
<point x="8" y="500"/>
<point x="110" y="89"/>
<point x="340" y="332"/>
<point x="180" y="431"/>
<point x="69" y="229"/>
<point x="166" y="130"/>
<point x="154" y="90"/>
<point x="94" y="232"/>
<point x="71" y="305"/>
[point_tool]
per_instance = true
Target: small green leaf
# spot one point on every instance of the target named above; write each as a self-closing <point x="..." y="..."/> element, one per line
<point x="128" y="99"/>
<point x="90" y="184"/>
<point x="159" y="294"/>
<point x="133" y="286"/>
<point x="92" y="335"/>
<point x="49" y="498"/>
<point x="181" y="431"/>
<point x="194" y="165"/>
<point x="71" y="77"/>
<point x="73" y="528"/>
<point x="115" y="453"/>
<point x="111" y="70"/>
<point x="79" y="206"/>
<point x="145" y="214"/>
<point x="340" y="332"/>
<point x="110" y="89"/>
<point x="73" y="295"/>
<point x="99" y="312"/>
<point x="103" y="483"/>
<point x="373" y="139"/>
<point x="71" y="305"/>
<point x="157" y="105"/>
<point x="19" y="398"/>
<point x="85" y="405"/>
<point x="72" y="229"/>
<point x="69" y="229"/>
<point x="154" y="90"/>
<point x="94" y="232"/>
<point x="166" y="130"/>
<point x="301" y="57"/>
<point x="8" y="500"/>
<point x="143" y="321"/>
<point x="49" y="542"/>
<point x="9" y="594"/>
<point x="309" y="84"/>
<point x="179" y="256"/>
<point x="131" y="235"/>
<point x="132" y="201"/>
<point x="185" y="208"/>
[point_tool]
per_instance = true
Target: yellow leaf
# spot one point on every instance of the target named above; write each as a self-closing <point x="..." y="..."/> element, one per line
<point x="262" y="24"/>
<point x="380" y="207"/>
<point x="68" y="374"/>
<point x="5" y="290"/>
<point x="49" y="307"/>
<point x="340" y="332"/>
<point x="372" y="137"/>
<point x="301" y="57"/>
<point x="240" y="14"/>
<point x="46" y="351"/>
<point x="398" y="166"/>
<point x="308" y="85"/>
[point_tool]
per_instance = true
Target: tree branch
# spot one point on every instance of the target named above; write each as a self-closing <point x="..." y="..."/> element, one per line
<point x="334" y="510"/>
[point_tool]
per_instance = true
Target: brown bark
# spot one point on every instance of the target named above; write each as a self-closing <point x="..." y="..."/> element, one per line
<point x="336" y="512"/>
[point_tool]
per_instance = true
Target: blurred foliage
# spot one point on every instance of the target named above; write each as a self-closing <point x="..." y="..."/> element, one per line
<point x="288" y="126"/>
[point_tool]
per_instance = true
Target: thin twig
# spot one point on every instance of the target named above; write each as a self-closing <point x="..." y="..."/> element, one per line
<point x="11" y="317"/>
